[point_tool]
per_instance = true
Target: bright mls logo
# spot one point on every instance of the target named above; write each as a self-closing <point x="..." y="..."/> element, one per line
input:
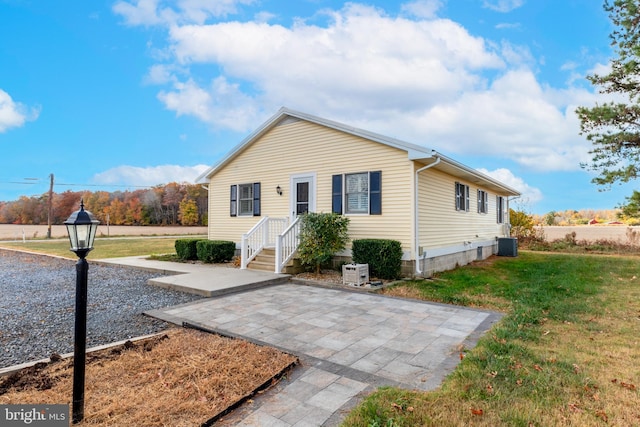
<point x="34" y="415"/>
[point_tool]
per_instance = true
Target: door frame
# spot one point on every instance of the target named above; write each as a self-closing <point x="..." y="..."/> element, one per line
<point x="309" y="177"/>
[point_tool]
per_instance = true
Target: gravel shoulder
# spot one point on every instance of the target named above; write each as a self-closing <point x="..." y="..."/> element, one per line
<point x="37" y="305"/>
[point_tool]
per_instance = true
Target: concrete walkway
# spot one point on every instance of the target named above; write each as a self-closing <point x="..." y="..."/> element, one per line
<point x="200" y="279"/>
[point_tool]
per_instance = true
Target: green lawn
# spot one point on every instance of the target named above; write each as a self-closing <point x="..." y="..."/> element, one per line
<point x="565" y="354"/>
<point x="103" y="248"/>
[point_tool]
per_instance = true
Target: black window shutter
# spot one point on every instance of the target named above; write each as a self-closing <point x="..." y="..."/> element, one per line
<point x="256" y="199"/>
<point x="336" y="194"/>
<point x="375" y="193"/>
<point x="233" y="205"/>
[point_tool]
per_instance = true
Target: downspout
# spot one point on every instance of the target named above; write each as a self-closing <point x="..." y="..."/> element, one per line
<point x="206" y="187"/>
<point x="417" y="209"/>
<point x="508" y="214"/>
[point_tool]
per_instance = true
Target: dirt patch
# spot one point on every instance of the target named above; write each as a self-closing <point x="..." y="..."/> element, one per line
<point x="328" y="277"/>
<point x="181" y="378"/>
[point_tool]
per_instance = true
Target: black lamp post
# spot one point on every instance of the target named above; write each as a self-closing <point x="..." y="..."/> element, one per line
<point x="81" y="226"/>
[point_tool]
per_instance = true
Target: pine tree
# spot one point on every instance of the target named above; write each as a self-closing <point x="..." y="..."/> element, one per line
<point x="614" y="127"/>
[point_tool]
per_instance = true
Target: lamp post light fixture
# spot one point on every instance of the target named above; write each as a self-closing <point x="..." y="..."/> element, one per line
<point x="81" y="226"/>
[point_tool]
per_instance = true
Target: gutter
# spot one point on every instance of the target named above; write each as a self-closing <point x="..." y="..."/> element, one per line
<point x="417" y="209"/>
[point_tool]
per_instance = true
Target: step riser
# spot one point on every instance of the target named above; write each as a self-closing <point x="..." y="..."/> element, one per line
<point x="266" y="261"/>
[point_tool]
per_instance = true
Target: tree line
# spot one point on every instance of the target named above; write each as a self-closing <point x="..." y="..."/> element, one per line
<point x="167" y="204"/>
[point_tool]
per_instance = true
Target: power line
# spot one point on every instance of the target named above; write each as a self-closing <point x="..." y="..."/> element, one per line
<point x="82" y="185"/>
<point x="107" y="185"/>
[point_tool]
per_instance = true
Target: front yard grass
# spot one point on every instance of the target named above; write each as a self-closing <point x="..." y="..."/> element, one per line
<point x="565" y="354"/>
<point x="103" y="247"/>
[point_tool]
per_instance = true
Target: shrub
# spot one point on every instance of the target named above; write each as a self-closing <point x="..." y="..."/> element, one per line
<point x="215" y="250"/>
<point x="322" y="235"/>
<point x="383" y="256"/>
<point x="522" y="226"/>
<point x="186" y="249"/>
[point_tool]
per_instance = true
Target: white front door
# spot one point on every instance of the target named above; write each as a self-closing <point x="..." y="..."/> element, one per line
<point x="303" y="194"/>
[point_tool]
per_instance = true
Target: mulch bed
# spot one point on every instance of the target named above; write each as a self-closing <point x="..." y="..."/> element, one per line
<point x="179" y="378"/>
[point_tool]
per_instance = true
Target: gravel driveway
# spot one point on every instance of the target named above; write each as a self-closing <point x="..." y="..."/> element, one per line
<point x="37" y="305"/>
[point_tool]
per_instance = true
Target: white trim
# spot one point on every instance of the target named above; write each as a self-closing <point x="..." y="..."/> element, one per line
<point x="416" y="212"/>
<point x="414" y="152"/>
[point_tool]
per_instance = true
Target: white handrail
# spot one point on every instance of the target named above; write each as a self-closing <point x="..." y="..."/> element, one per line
<point x="252" y="243"/>
<point x="261" y="235"/>
<point x="287" y="244"/>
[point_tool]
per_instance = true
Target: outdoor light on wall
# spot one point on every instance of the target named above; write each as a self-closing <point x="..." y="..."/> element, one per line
<point x="279" y="190"/>
<point x="81" y="226"/>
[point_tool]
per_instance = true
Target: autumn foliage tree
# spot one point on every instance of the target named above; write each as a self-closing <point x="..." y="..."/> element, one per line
<point x="171" y="204"/>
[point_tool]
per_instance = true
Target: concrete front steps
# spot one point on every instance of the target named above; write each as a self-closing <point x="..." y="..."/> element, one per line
<point x="266" y="261"/>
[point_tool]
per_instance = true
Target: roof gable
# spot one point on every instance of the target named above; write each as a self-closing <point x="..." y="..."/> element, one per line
<point x="414" y="152"/>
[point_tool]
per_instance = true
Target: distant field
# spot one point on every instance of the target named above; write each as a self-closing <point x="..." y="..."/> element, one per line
<point x="589" y="232"/>
<point x="16" y="232"/>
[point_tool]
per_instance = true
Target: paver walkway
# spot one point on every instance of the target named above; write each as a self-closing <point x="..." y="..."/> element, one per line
<point x="348" y="342"/>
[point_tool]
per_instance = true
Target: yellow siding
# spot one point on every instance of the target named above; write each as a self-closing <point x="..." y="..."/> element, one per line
<point x="304" y="147"/>
<point x="440" y="225"/>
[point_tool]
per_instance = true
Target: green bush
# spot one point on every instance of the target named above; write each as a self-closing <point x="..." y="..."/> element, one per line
<point x="215" y="250"/>
<point x="383" y="256"/>
<point x="322" y="235"/>
<point x="186" y="249"/>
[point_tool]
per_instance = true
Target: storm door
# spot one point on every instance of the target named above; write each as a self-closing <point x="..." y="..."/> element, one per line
<point x="303" y="194"/>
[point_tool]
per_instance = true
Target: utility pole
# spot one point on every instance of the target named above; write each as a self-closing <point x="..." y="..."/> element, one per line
<point x="50" y="203"/>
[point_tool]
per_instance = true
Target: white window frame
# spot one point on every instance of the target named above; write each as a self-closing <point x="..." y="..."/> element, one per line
<point x="462" y="197"/>
<point x="483" y="201"/>
<point x="500" y="207"/>
<point x="248" y="200"/>
<point x="362" y="195"/>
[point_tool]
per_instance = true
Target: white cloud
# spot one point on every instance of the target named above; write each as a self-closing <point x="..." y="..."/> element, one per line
<point x="508" y="26"/>
<point x="221" y="104"/>
<point x="149" y="176"/>
<point x="414" y="76"/>
<point x="141" y="12"/>
<point x="158" y="12"/>
<point x="503" y="5"/>
<point x="14" y="114"/>
<point x="530" y="195"/>
<point x="422" y="8"/>
<point x="347" y="68"/>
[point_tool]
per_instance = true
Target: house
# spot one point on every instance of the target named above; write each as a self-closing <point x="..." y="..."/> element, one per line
<point x="442" y="212"/>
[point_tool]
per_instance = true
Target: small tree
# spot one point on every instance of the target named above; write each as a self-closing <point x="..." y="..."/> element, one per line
<point x="188" y="212"/>
<point x="322" y="235"/>
<point x="630" y="211"/>
<point x="550" y="218"/>
<point x="521" y="224"/>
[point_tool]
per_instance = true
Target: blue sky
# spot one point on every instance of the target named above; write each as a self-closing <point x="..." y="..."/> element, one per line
<point x="113" y="95"/>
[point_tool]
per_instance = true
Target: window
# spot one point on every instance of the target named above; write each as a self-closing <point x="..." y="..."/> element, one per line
<point x="462" y="197"/>
<point x="356" y="193"/>
<point x="483" y="202"/>
<point x="245" y="200"/>
<point x="359" y="193"/>
<point x="500" y="209"/>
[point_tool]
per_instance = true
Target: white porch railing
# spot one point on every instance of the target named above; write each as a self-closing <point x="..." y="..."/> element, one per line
<point x="261" y="235"/>
<point x="287" y="244"/>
